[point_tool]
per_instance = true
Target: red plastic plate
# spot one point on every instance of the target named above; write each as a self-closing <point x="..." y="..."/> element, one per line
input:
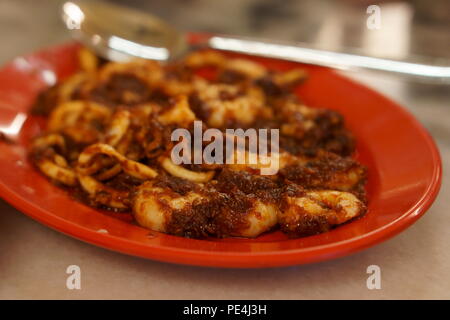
<point x="403" y="162"/>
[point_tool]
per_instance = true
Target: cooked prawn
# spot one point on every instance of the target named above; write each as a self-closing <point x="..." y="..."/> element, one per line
<point x="52" y="164"/>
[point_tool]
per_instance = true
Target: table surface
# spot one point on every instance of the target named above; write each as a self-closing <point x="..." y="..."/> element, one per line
<point x="34" y="258"/>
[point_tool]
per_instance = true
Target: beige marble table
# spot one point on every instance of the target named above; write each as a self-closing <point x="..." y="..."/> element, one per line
<point x="34" y="258"/>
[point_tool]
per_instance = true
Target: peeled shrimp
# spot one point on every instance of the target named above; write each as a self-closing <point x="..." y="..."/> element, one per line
<point x="120" y="121"/>
<point x="164" y="210"/>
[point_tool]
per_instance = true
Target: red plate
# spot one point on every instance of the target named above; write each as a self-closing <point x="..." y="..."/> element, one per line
<point x="403" y="161"/>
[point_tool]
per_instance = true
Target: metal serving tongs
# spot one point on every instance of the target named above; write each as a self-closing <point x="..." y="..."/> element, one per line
<point x="118" y="33"/>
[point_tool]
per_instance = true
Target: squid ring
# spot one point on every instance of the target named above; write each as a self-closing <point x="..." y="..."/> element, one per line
<point x="120" y="123"/>
<point x="318" y="211"/>
<point x="109" y="173"/>
<point x="67" y="113"/>
<point x="52" y="170"/>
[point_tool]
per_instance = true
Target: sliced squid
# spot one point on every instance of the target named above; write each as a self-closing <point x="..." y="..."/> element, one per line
<point x="117" y="127"/>
<point x="52" y="164"/>
<point x="248" y="68"/>
<point x="87" y="164"/>
<point x="223" y="102"/>
<point x="326" y="171"/>
<point x="253" y="162"/>
<point x="109" y="173"/>
<point x="318" y="211"/>
<point x="155" y="207"/>
<point x="67" y="114"/>
<point x="200" y="59"/>
<point x="180" y="172"/>
<point x="88" y="60"/>
<point x="92" y="159"/>
<point x="104" y="195"/>
<point x="148" y="71"/>
<point x="199" y="214"/>
<point x="180" y="113"/>
<point x="290" y="77"/>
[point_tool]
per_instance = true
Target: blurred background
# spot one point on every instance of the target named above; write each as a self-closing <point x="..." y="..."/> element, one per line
<point x="419" y="27"/>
